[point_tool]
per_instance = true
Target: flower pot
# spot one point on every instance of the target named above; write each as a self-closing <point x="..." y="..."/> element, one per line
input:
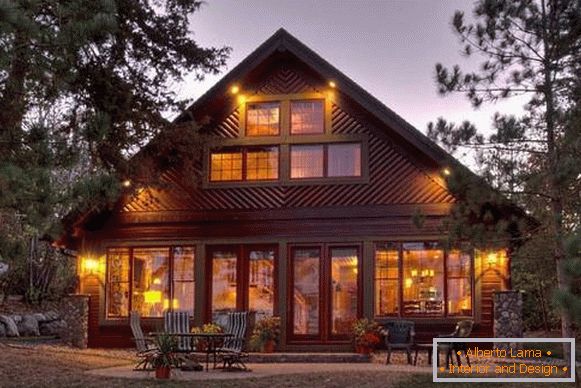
<point x="362" y="349"/>
<point x="162" y="372"/>
<point x="268" y="346"/>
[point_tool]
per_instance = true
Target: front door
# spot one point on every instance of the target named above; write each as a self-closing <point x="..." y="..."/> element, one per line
<point x="325" y="292"/>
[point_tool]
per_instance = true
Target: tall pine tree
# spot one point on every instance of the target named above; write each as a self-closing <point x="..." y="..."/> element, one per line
<point x="528" y="47"/>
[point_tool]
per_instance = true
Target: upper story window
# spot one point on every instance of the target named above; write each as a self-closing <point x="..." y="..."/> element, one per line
<point x="325" y="160"/>
<point x="263" y="119"/>
<point x="226" y="165"/>
<point x="307" y="117"/>
<point x="244" y="164"/>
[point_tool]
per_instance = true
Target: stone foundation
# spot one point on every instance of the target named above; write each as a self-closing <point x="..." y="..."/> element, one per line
<point x="508" y="322"/>
<point x="75" y="312"/>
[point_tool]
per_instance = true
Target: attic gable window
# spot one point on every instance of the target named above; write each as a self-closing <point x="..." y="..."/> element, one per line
<point x="307" y="117"/>
<point x="332" y="160"/>
<point x="263" y="119"/>
<point x="255" y="163"/>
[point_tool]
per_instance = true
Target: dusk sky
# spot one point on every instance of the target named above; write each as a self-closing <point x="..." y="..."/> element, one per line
<point x="388" y="47"/>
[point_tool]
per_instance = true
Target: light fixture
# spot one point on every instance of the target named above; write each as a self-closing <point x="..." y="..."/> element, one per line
<point x="234" y="89"/>
<point x="156" y="281"/>
<point x="492" y="259"/>
<point x="408" y="282"/>
<point x="90" y="266"/>
<point x="332" y="84"/>
<point x="126" y="183"/>
<point x="152" y="297"/>
<point x="446" y="171"/>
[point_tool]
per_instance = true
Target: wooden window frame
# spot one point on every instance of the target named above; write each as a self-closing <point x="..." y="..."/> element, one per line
<point x="284" y="140"/>
<point x="130" y="250"/>
<point x="280" y="127"/>
<point x="445" y="314"/>
<point x="244" y="151"/>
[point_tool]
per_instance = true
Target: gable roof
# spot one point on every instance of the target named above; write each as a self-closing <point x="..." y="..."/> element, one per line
<point x="282" y="40"/>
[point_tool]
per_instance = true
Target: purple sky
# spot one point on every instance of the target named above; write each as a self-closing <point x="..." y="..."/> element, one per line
<point x="388" y="47"/>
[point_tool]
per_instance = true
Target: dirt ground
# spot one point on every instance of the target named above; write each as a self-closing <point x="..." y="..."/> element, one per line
<point x="50" y="366"/>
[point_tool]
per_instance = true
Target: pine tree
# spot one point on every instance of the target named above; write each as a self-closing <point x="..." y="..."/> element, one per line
<point x="83" y="85"/>
<point x="528" y="47"/>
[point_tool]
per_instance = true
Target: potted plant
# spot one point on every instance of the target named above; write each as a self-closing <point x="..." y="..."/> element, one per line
<point x="365" y="335"/>
<point x="164" y="357"/>
<point x="265" y="334"/>
<point x="201" y="345"/>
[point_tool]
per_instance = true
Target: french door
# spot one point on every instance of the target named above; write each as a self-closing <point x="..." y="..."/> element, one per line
<point x="325" y="297"/>
<point x="242" y="278"/>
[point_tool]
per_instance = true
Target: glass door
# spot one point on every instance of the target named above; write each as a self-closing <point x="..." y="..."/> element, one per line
<point x="325" y="292"/>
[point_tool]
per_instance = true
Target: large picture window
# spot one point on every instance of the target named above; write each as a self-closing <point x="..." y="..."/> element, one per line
<point x="307" y="117"/>
<point x="325" y="160"/>
<point x="424" y="279"/>
<point x="262" y="119"/>
<point x="142" y="279"/>
<point x="256" y="163"/>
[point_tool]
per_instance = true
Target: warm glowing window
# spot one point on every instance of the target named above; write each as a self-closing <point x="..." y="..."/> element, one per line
<point x="226" y="165"/>
<point x="242" y="279"/>
<point x="306" y="276"/>
<point x="261" y="281"/>
<point x="344" y="159"/>
<point x="224" y="281"/>
<point x="118" y="282"/>
<point x="262" y="163"/>
<point x="459" y="276"/>
<point x="307" y="161"/>
<point x="423" y="279"/>
<point x="386" y="279"/>
<point x="148" y="290"/>
<point x="150" y="281"/>
<point x="263" y="119"/>
<point x="307" y="117"/>
<point x="183" y="279"/>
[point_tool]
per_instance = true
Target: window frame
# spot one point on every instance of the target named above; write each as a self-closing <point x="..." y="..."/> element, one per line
<point x="284" y="141"/>
<point x="130" y="249"/>
<point x="280" y="113"/>
<point x="400" y="283"/>
<point x="244" y="176"/>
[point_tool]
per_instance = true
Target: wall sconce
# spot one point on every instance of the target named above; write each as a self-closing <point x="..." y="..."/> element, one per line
<point x="492" y="259"/>
<point x="90" y="266"/>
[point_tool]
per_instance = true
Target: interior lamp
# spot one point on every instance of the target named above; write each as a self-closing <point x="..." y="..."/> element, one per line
<point x="152" y="297"/>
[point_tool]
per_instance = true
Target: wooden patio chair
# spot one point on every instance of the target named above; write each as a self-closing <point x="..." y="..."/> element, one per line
<point x="463" y="330"/>
<point x="232" y="351"/>
<point x="145" y="345"/>
<point x="178" y="322"/>
<point x="399" y="335"/>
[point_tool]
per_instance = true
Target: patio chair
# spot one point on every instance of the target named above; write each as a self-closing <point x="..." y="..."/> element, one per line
<point x="144" y="345"/>
<point x="463" y="330"/>
<point x="178" y="322"/>
<point x="399" y="335"/>
<point x="232" y="351"/>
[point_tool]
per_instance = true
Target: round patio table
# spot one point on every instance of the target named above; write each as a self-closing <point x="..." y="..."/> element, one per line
<point x="212" y="341"/>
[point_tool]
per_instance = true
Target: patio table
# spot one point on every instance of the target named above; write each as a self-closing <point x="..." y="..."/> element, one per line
<point x="212" y="340"/>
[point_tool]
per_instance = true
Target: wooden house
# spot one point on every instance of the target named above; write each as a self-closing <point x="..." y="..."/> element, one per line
<point x="303" y="210"/>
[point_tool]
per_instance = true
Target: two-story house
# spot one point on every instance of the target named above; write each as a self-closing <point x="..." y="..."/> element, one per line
<point x="303" y="210"/>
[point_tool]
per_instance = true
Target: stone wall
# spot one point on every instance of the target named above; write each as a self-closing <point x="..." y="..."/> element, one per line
<point x="508" y="322"/>
<point x="75" y="312"/>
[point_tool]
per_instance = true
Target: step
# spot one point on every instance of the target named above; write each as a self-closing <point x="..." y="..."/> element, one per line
<point x="308" y="358"/>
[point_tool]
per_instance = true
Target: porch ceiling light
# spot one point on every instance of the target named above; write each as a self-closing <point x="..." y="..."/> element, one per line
<point x="332" y="84"/>
<point x="126" y="183"/>
<point x="234" y="89"/>
<point x="446" y="171"/>
<point x="90" y="266"/>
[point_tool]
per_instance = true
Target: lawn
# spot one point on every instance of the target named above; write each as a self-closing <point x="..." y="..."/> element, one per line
<point x="43" y="366"/>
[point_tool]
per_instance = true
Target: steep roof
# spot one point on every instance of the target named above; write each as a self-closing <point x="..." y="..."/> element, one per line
<point x="282" y="40"/>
